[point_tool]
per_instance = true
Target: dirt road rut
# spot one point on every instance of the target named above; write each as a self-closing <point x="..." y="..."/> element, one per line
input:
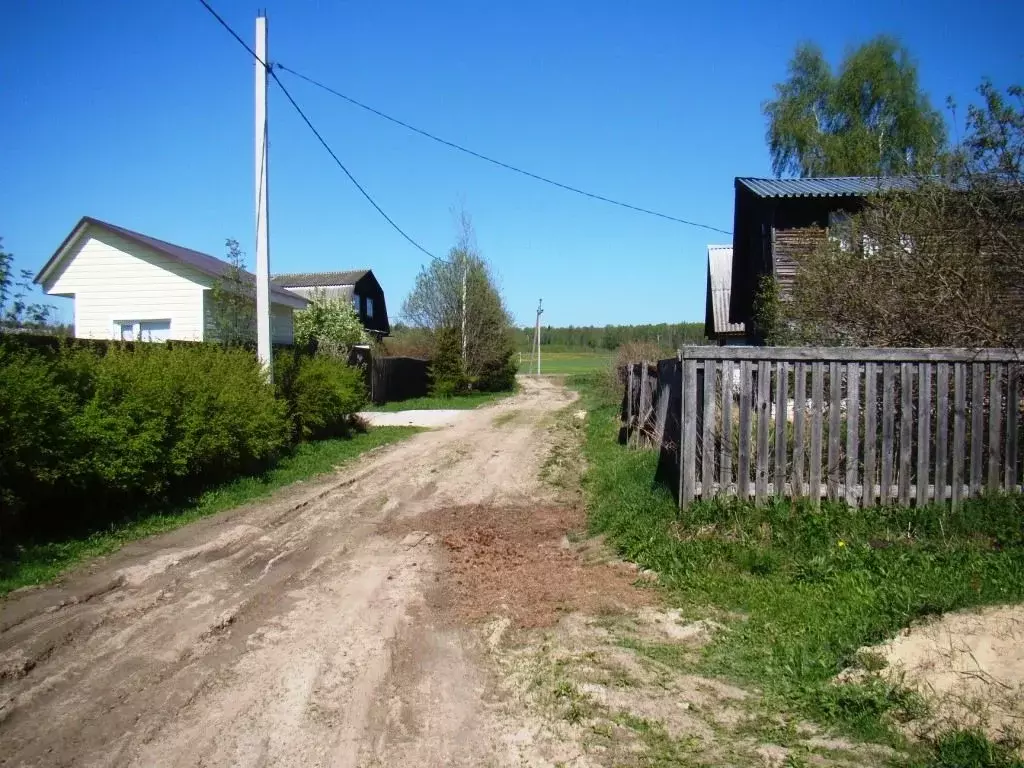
<point x="297" y="631"/>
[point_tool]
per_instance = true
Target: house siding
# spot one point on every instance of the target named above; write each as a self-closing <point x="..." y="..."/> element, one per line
<point x="113" y="279"/>
<point x="282" y="322"/>
<point x="788" y="247"/>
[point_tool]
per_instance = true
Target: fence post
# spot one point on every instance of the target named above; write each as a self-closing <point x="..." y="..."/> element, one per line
<point x="688" y="426"/>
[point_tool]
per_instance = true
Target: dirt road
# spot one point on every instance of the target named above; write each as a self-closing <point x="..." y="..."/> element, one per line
<point x="311" y="629"/>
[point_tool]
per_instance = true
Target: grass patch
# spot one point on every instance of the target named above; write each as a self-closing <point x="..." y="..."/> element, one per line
<point x="567" y="362"/>
<point x="813" y="585"/>
<point x="459" y="402"/>
<point x="39" y="563"/>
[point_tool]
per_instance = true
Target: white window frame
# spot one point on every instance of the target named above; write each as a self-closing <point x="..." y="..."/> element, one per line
<point x="138" y="330"/>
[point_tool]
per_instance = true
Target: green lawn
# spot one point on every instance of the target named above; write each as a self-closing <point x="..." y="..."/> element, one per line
<point x="567" y="362"/>
<point x="806" y="588"/>
<point x="459" y="403"/>
<point x="40" y="563"/>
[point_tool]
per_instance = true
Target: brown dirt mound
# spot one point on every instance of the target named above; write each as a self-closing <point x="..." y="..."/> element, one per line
<point x="513" y="561"/>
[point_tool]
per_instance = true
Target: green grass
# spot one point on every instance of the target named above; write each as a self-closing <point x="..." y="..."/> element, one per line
<point x="460" y="402"/>
<point x="567" y="362"/>
<point x="812" y="586"/>
<point x="40" y="563"/>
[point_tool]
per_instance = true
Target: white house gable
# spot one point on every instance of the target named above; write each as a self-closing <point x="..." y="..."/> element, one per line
<point x="119" y="285"/>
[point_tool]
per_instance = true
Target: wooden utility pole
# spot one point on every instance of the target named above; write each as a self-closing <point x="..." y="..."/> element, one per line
<point x="536" y="332"/>
<point x="263" y="348"/>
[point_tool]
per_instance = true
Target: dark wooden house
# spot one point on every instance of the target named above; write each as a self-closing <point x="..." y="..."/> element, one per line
<point x="775" y="220"/>
<point x="357" y="285"/>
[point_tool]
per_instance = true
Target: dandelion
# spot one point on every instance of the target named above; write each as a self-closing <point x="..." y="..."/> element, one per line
<point x="841" y="543"/>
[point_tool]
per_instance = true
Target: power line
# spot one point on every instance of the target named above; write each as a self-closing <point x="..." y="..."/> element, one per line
<point x="270" y="70"/>
<point x="499" y="163"/>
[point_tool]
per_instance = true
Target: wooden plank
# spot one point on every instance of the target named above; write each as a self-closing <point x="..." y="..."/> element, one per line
<point x="888" y="426"/>
<point x="867" y="498"/>
<point x="995" y="423"/>
<point x="743" y="463"/>
<point x="799" y="411"/>
<point x="817" y="412"/>
<point x="835" y="412"/>
<point x="1012" y="429"/>
<point x="977" y="425"/>
<point x="781" y="422"/>
<point x="725" y="467"/>
<point x="629" y="403"/>
<point x="707" y="459"/>
<point x="906" y="430"/>
<point x="852" y="431"/>
<point x="924" y="433"/>
<point x="941" y="429"/>
<point x="851" y="354"/>
<point x="959" y="428"/>
<point x="764" y="379"/>
<point x="689" y="431"/>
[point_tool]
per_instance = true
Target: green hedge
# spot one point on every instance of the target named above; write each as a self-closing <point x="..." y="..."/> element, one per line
<point x="89" y="434"/>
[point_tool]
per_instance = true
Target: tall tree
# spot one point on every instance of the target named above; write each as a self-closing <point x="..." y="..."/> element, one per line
<point x="436" y="303"/>
<point x="868" y="119"/>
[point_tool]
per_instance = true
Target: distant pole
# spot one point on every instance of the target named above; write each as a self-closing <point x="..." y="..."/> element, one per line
<point x="263" y="348"/>
<point x="536" y="332"/>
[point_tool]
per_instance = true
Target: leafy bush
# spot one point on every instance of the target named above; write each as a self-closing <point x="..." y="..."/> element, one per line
<point x="88" y="432"/>
<point x="333" y="325"/>
<point x="447" y="372"/>
<point x="325" y="392"/>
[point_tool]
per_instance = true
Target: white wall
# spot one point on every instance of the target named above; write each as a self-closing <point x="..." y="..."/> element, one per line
<point x="282" y="328"/>
<point x="113" y="279"/>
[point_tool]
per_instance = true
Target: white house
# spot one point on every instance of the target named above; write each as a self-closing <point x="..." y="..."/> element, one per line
<point x="127" y="285"/>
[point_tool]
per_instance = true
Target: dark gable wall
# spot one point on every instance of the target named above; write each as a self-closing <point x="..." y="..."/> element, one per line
<point x="799" y="223"/>
<point x="367" y="286"/>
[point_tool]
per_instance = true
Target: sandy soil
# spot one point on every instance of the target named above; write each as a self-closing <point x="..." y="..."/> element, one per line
<point x="300" y="631"/>
<point x="436" y="418"/>
<point x="968" y="665"/>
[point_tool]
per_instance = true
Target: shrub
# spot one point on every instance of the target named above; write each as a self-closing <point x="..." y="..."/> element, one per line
<point x="88" y="433"/>
<point x="325" y="393"/>
<point x="447" y="372"/>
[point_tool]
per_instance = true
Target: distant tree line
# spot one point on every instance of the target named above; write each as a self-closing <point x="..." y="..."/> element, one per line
<point x="666" y="336"/>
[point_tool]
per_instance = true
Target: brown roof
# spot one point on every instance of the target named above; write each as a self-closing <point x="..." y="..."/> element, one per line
<point x="202" y="262"/>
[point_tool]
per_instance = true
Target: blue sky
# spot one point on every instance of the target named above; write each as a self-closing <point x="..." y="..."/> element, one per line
<point x="141" y="114"/>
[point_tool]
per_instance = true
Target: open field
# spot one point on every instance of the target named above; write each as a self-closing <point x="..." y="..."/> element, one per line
<point x="567" y="362"/>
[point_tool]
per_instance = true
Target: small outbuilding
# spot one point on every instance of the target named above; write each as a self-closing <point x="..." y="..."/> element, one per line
<point x="356" y="285"/>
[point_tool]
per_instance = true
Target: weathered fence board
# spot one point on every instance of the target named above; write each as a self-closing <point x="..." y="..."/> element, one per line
<point x="941" y="429"/>
<point x="764" y="378"/>
<point x="864" y="446"/>
<point x="852" y="430"/>
<point x="781" y="420"/>
<point x="707" y="474"/>
<point x="977" y="420"/>
<point x="924" y="424"/>
<point x="725" y="467"/>
<point x="870" y="433"/>
<point x="835" y="398"/>
<point x="743" y="464"/>
<point x="799" y="411"/>
<point x="959" y="428"/>
<point x="817" y="412"/>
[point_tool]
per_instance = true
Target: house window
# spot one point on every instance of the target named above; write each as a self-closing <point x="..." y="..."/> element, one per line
<point x="369" y="307"/>
<point x="355" y="302"/>
<point x="839" y="229"/>
<point x="142" y="330"/>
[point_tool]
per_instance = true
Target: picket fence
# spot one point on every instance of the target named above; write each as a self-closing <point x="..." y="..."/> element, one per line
<point x="874" y="426"/>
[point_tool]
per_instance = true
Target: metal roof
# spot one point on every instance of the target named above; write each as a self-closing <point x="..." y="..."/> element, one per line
<point x="826" y="186"/>
<point x="720" y="285"/>
<point x="201" y="262"/>
<point x="320" y="279"/>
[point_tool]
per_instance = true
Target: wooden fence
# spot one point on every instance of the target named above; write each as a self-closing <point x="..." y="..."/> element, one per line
<point x="874" y="426"/>
<point x="398" y="378"/>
